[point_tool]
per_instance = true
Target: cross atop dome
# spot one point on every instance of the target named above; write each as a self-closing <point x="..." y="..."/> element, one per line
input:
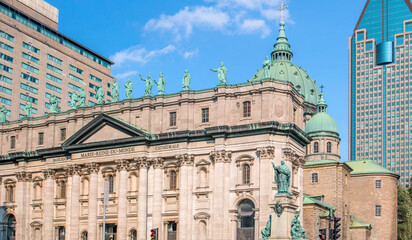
<point x="281" y="9"/>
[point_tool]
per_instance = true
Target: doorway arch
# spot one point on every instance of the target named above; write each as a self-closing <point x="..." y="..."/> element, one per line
<point x="246" y="220"/>
<point x="11" y="227"/>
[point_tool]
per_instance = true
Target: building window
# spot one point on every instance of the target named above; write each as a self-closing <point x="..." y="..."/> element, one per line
<point x="61" y="233"/>
<point x="173" y="180"/>
<point x="83" y="236"/>
<point x="205" y="115"/>
<point x="61" y="189"/>
<point x="246" y="174"/>
<point x="172" y="119"/>
<point x="246" y="109"/>
<point x="111" y="183"/>
<point x="13" y="142"/>
<point x="41" y="138"/>
<point x="329" y="147"/>
<point x="62" y="134"/>
<point x="315" y="178"/>
<point x="133" y="235"/>
<point x="10" y="191"/>
<point x="11" y="227"/>
<point x="316" y="147"/>
<point x="378" y="184"/>
<point x="378" y="210"/>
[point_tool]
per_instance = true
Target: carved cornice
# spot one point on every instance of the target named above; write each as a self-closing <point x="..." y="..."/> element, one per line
<point x="158" y="162"/>
<point x="122" y="165"/>
<point x="93" y="167"/>
<point x="266" y="152"/>
<point x="293" y="157"/>
<point x="49" y="173"/>
<point x="221" y="156"/>
<point x="186" y="159"/>
<point x="23" y="176"/>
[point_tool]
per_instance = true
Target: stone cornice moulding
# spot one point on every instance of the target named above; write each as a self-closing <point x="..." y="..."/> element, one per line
<point x="266" y="152"/>
<point x="221" y="156"/>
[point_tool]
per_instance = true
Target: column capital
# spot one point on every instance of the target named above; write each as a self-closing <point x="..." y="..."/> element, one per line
<point x="93" y="167"/>
<point x="122" y="165"/>
<point x="221" y="156"/>
<point x="185" y="159"/>
<point x="142" y="162"/>
<point x="49" y="173"/>
<point x="23" y="176"/>
<point x="158" y="162"/>
<point x="266" y="152"/>
<point x="73" y="169"/>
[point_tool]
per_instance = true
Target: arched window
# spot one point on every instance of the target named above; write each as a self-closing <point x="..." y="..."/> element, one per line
<point x="37" y="191"/>
<point x="61" y="232"/>
<point x="202" y="230"/>
<point x="329" y="147"/>
<point x="246" y="109"/>
<point x="316" y="147"/>
<point x="133" y="235"/>
<point x="173" y="180"/>
<point x="83" y="236"/>
<point x="315" y="178"/>
<point x="11" y="228"/>
<point x="62" y="189"/>
<point x="10" y="192"/>
<point x="246" y="222"/>
<point x="85" y="186"/>
<point x="111" y="183"/>
<point x="203" y="177"/>
<point x="245" y="174"/>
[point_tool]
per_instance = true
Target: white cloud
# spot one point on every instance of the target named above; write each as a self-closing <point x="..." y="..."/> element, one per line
<point x="190" y="54"/>
<point x="255" y="26"/>
<point x="125" y="74"/>
<point x="139" y="55"/>
<point x="188" y="18"/>
<point x="249" y="4"/>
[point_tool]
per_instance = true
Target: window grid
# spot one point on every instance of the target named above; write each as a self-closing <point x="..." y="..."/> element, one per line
<point x="315" y="177"/>
<point x="378" y="184"/>
<point x="378" y="210"/>
<point x="40" y="138"/>
<point x="316" y="147"/>
<point x="205" y="115"/>
<point x="172" y="119"/>
<point x="12" y="142"/>
<point x="246" y="174"/>
<point x="246" y="109"/>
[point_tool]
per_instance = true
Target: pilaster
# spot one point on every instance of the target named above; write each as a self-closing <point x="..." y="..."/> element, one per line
<point x="22" y="202"/>
<point x="48" y="207"/>
<point x="142" y="199"/>
<point x="266" y="156"/>
<point x="158" y="164"/>
<point x="92" y="213"/>
<point x="74" y="171"/>
<point x="122" y="166"/>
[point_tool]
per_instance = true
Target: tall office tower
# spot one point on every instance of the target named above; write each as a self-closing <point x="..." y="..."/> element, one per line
<point x="380" y="83"/>
<point x="37" y="61"/>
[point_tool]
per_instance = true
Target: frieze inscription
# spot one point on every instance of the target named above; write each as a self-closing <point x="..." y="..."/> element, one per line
<point x="107" y="152"/>
<point x="166" y="147"/>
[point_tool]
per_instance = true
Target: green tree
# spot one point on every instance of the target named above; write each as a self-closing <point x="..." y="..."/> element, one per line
<point x="404" y="213"/>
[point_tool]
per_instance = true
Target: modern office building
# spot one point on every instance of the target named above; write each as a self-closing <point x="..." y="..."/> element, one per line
<point x="37" y="61"/>
<point x="380" y="83"/>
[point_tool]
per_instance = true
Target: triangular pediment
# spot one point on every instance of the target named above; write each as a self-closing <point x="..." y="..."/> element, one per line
<point x="103" y="128"/>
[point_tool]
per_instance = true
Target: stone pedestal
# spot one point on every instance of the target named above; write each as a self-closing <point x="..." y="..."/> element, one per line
<point x="281" y="225"/>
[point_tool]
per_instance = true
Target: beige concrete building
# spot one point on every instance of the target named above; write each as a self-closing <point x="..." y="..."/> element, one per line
<point x="37" y="61"/>
<point x="195" y="164"/>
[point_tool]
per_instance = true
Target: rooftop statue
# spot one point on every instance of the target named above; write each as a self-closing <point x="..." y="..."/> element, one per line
<point x="100" y="95"/>
<point x="148" y="85"/>
<point x="282" y="177"/>
<point x="129" y="89"/>
<point x="266" y="66"/>
<point x="82" y="98"/>
<point x="3" y="114"/>
<point x="266" y="231"/>
<point x="221" y="73"/>
<point x="114" y="89"/>
<point x="161" y="84"/>
<point x="27" y="109"/>
<point x="74" y="100"/>
<point x="297" y="231"/>
<point x="54" y="104"/>
<point x="186" y="80"/>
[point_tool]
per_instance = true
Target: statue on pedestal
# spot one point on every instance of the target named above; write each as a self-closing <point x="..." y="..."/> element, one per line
<point x="186" y="81"/>
<point x="129" y="89"/>
<point x="114" y="89"/>
<point x="74" y="99"/>
<point x="282" y="177"/>
<point x="100" y="95"/>
<point x="147" y="86"/>
<point x="297" y="232"/>
<point x="161" y="84"/>
<point x="82" y="98"/>
<point x="54" y="104"/>
<point x="221" y="73"/>
<point x="3" y="114"/>
<point x="27" y="109"/>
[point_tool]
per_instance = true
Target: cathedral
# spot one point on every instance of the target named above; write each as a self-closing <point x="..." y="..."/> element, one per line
<point x="193" y="165"/>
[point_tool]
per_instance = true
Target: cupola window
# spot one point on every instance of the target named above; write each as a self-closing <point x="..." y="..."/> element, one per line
<point x="329" y="147"/>
<point x="316" y="147"/>
<point x="315" y="178"/>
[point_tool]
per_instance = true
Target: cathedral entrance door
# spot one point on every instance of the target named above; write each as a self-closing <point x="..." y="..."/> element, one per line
<point x="246" y="220"/>
<point x="11" y="228"/>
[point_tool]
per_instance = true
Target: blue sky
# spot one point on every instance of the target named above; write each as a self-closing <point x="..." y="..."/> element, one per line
<point x="153" y="36"/>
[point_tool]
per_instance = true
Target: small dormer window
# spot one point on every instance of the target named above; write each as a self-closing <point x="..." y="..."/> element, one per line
<point x="312" y="92"/>
<point x="298" y="88"/>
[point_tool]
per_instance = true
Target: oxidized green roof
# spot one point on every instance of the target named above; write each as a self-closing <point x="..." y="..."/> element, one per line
<point x="310" y="200"/>
<point x="322" y="122"/>
<point x="358" y="224"/>
<point x="285" y="71"/>
<point x="367" y="166"/>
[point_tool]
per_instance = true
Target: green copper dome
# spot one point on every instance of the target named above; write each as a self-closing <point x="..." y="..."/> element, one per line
<point x="282" y="69"/>
<point x="321" y="121"/>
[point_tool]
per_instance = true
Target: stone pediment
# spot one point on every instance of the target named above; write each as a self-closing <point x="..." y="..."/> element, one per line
<point x="103" y="128"/>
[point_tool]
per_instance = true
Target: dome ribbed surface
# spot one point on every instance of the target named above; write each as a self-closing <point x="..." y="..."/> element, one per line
<point x="321" y="122"/>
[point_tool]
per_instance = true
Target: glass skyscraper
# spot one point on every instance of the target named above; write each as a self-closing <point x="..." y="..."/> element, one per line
<point x="380" y="83"/>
